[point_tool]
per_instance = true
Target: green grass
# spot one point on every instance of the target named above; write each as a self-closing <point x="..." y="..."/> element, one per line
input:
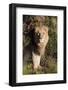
<point x="50" y="66"/>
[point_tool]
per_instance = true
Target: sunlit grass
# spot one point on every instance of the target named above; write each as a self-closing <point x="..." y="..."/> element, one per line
<point x="50" y="66"/>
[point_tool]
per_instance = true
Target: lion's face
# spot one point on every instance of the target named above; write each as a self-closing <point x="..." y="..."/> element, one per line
<point x="40" y="35"/>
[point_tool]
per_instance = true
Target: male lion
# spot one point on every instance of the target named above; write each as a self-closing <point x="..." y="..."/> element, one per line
<point x="40" y="38"/>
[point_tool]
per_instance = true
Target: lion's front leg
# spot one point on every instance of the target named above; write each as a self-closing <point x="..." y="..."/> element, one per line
<point x="36" y="61"/>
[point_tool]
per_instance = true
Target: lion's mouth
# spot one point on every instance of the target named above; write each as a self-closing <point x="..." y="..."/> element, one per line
<point x="41" y="40"/>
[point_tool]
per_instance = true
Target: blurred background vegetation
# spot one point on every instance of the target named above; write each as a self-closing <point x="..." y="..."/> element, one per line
<point x="49" y="60"/>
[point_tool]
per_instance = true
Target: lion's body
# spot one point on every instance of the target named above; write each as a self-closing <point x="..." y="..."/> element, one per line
<point x="40" y="45"/>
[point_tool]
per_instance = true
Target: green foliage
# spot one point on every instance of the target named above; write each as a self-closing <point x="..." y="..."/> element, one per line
<point x="52" y="43"/>
<point x="27" y="69"/>
<point x="49" y="67"/>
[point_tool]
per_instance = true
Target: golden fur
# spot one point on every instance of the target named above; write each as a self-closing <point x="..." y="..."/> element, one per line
<point x="43" y="40"/>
